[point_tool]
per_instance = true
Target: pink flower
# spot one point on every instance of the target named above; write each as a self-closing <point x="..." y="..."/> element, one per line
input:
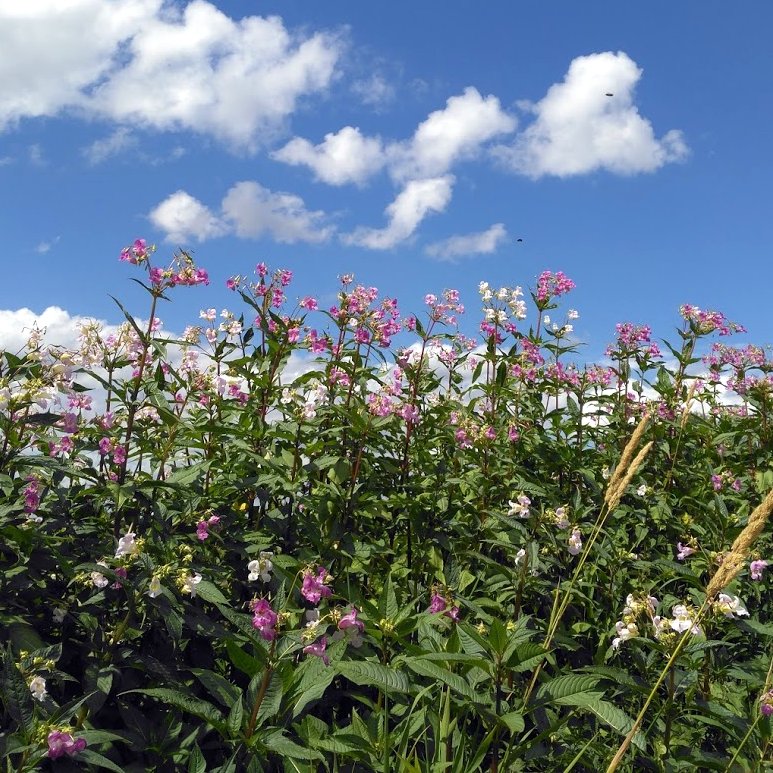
<point x="350" y="621"/>
<point x="683" y="551"/>
<point x="61" y="744"/>
<point x="439" y="603"/>
<point x="264" y="619"/>
<point x="313" y="587"/>
<point x="318" y="648"/>
<point x="756" y="568"/>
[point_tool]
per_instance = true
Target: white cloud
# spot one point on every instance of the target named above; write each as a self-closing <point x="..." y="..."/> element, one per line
<point x="248" y="210"/>
<point x="254" y="211"/>
<point x="579" y="129"/>
<point x="375" y="91"/>
<point x="183" y="217"/>
<point x="100" y="150"/>
<point x="45" y="246"/>
<point x="62" y="328"/>
<point x="344" y="157"/>
<point x="480" y="243"/>
<point x="446" y="136"/>
<point x="418" y="199"/>
<point x="147" y="63"/>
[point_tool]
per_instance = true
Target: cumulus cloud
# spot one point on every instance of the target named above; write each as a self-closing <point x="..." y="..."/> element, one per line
<point x="183" y="217"/>
<point x="248" y="210"/>
<point x="418" y="199"/>
<point x="579" y="129"/>
<point x="62" y="328"/>
<point x="446" y="136"/>
<point x="254" y="211"/>
<point x="480" y="243"/>
<point x="344" y="157"/>
<point x="147" y="63"/>
<point x="118" y="141"/>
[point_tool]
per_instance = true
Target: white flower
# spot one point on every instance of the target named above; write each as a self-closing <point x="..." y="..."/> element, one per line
<point x="575" y="542"/>
<point x="546" y="319"/>
<point x="519" y="556"/>
<point x="731" y="606"/>
<point x="261" y="567"/>
<point x="606" y="473"/>
<point x="625" y="631"/>
<point x="127" y="545"/>
<point x="99" y="580"/>
<point x="58" y="614"/>
<point x="482" y="287"/>
<point x="38" y="688"/>
<point x="562" y="520"/>
<point x="154" y="589"/>
<point x="572" y="314"/>
<point x="520" y="506"/>
<point x="190" y="583"/>
<point x="682" y="621"/>
<point x="642" y="490"/>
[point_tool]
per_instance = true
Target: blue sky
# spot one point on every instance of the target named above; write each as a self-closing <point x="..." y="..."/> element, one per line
<point x="410" y="143"/>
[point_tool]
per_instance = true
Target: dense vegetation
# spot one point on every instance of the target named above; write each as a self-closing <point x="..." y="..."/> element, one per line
<point x="280" y="542"/>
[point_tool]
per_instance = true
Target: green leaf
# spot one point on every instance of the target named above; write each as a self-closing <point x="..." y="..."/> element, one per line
<point x="209" y="592"/>
<point x="278" y="742"/>
<point x="387" y="603"/>
<point x="241" y="660"/>
<point x="196" y="761"/>
<point x="513" y="721"/>
<point x="365" y="672"/>
<point x="562" y="687"/>
<point x="17" y="692"/>
<point x="434" y="671"/>
<point x="235" y="717"/>
<point x="617" y="719"/>
<point x="95" y="758"/>
<point x="199" y="708"/>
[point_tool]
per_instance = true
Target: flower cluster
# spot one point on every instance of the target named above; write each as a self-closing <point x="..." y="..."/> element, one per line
<point x="705" y="322"/>
<point x="550" y="286"/>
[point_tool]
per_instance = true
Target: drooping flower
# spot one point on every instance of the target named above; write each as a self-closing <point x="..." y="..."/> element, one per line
<point x="562" y="519"/>
<point x="261" y="567"/>
<point x="730" y="606"/>
<point x="519" y="506"/>
<point x="318" y="648"/>
<point x="127" y="545"/>
<point x="62" y="743"/>
<point x="154" y="588"/>
<point x="38" y="688"/>
<point x="314" y="587"/>
<point x="756" y="568"/>
<point x="625" y="631"/>
<point x="575" y="542"/>
<point x="683" y="551"/>
<point x="264" y="619"/>
<point x="97" y="578"/>
<point x="189" y="584"/>
<point x="642" y="490"/>
<point x="766" y="703"/>
<point x="682" y="620"/>
<point x="350" y="627"/>
<point x="442" y="604"/>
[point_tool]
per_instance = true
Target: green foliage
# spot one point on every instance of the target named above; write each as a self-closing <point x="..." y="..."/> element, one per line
<point x="398" y="559"/>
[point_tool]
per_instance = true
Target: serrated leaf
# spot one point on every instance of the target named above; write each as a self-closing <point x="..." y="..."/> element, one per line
<point x="387" y="603"/>
<point x="196" y="761"/>
<point x="374" y="675"/>
<point x="514" y="721"/>
<point x="617" y="719"/>
<point x="278" y="742"/>
<point x="434" y="671"/>
<point x="235" y="717"/>
<point x="199" y="708"/>
<point x="95" y="758"/>
<point x="17" y="692"/>
<point x="210" y="593"/>
<point x="563" y="687"/>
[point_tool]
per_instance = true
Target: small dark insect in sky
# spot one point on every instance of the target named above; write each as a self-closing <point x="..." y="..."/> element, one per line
<point x="519" y="240"/>
<point x="609" y="94"/>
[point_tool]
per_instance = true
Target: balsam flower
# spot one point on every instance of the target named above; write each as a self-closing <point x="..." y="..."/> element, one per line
<point x="127" y="545"/>
<point x="264" y="619"/>
<point x="38" y="688"/>
<point x="520" y="506"/>
<point x="189" y="583"/>
<point x="730" y="606"/>
<point x="756" y="568"/>
<point x="575" y="542"/>
<point x="318" y="649"/>
<point x="61" y="744"/>
<point x="314" y="588"/>
<point x="683" y="551"/>
<point x="261" y="567"/>
<point x="350" y="627"/>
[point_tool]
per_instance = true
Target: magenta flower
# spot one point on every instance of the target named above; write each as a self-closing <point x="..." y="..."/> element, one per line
<point x="318" y="648"/>
<point x="264" y="619"/>
<point x="439" y="603"/>
<point x="202" y="530"/>
<point x="350" y="621"/>
<point x="61" y="744"/>
<point x="756" y="568"/>
<point x="313" y="587"/>
<point x="766" y="703"/>
<point x="683" y="551"/>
